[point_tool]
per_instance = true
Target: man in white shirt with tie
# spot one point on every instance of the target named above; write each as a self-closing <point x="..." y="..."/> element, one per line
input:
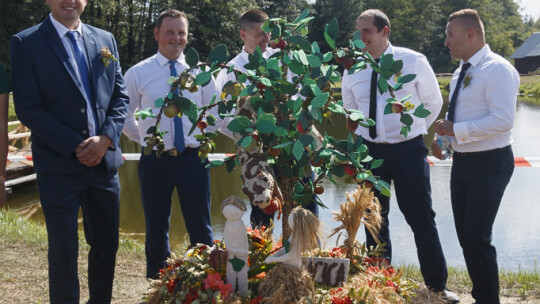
<point x="253" y="37"/>
<point x="479" y="122"/>
<point x="179" y="166"/>
<point x="405" y="158"/>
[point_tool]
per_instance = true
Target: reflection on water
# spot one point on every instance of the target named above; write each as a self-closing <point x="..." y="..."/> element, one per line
<point x="515" y="232"/>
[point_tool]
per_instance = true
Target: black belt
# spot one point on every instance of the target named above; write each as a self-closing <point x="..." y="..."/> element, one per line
<point x="477" y="153"/>
<point x="401" y="142"/>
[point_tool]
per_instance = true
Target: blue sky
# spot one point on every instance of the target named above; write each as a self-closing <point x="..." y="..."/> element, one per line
<point x="529" y="7"/>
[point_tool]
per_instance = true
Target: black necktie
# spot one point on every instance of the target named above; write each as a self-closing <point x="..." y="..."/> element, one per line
<point x="373" y="103"/>
<point x="452" y="106"/>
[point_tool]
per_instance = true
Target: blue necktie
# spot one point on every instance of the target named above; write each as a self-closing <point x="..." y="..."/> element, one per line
<point x="179" y="143"/>
<point x="83" y="67"/>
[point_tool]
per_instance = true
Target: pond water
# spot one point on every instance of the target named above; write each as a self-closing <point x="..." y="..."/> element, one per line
<point x="516" y="232"/>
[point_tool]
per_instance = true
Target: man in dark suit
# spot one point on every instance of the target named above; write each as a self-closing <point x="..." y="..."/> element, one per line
<point x="69" y="91"/>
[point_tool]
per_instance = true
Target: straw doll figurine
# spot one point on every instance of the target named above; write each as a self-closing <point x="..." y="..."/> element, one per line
<point x="306" y="233"/>
<point x="236" y="244"/>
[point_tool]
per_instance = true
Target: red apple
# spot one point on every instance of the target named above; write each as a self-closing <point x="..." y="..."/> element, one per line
<point x="273" y="207"/>
<point x="261" y="86"/>
<point x="300" y="128"/>
<point x="282" y="44"/>
<point x="349" y="169"/>
<point x="274" y="152"/>
<point x="319" y="190"/>
<point x="202" y="124"/>
<point x="318" y="163"/>
<point x="273" y="44"/>
<point x="351" y="125"/>
<point x="348" y="62"/>
<point x="397" y="107"/>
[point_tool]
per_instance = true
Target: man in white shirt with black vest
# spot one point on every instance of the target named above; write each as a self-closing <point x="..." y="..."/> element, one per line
<point x="405" y="158"/>
<point x="479" y="122"/>
<point x="179" y="167"/>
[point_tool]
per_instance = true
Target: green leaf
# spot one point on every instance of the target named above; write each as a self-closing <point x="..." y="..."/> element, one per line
<point x="385" y="192"/>
<point x="336" y="108"/>
<point x="171" y="79"/>
<point x="296" y="67"/>
<point x="170" y="95"/>
<point x="230" y="163"/>
<point x="301" y="42"/>
<point x="203" y="78"/>
<point x="151" y="130"/>
<point x="302" y="15"/>
<point x="388" y="109"/>
<point x="329" y="40"/>
<point x="320" y="101"/>
<point x="218" y="54"/>
<point x="280" y="131"/>
<point x="265" y="81"/>
<point x="159" y="102"/>
<point x="239" y="124"/>
<point x="298" y="150"/>
<point x="406" y="78"/>
<point x="265" y="126"/>
<point x="284" y="145"/>
<point x="386" y="62"/>
<point x="315" y="48"/>
<point x="314" y="61"/>
<point x="306" y="140"/>
<point x="376" y="163"/>
<point x="332" y="29"/>
<point x="327" y="57"/>
<point x="404" y="131"/>
<point x="192" y="57"/>
<point x="211" y="119"/>
<point x="382" y="84"/>
<point x="301" y="57"/>
<point x="357" y="40"/>
<point x="189" y="107"/>
<point x="421" y="112"/>
<point x="245" y="142"/>
<point x="357" y="115"/>
<point x="396" y="66"/>
<point x="242" y="78"/>
<point x="406" y="119"/>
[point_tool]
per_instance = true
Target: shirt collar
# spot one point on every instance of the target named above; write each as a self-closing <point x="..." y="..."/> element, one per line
<point x="389" y="49"/>
<point x="62" y="30"/>
<point x="475" y="59"/>
<point x="162" y="60"/>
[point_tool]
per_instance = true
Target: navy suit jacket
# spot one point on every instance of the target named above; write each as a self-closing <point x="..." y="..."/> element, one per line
<point x="49" y="100"/>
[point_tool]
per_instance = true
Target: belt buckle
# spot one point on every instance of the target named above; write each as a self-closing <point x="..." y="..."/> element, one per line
<point x="173" y="152"/>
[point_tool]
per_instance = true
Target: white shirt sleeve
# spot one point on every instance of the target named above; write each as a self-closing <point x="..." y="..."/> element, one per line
<point x="347" y="95"/>
<point x="428" y="90"/>
<point x="501" y="87"/>
<point x="131" y="129"/>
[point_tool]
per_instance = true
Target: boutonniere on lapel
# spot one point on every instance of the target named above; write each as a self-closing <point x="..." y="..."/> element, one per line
<point x="467" y="80"/>
<point x="107" y="57"/>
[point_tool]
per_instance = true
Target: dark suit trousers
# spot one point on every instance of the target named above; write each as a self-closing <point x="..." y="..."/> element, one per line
<point x="158" y="178"/>
<point x="406" y="164"/>
<point x="477" y="185"/>
<point x="97" y="192"/>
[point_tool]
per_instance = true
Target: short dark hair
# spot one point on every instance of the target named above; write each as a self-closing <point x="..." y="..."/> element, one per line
<point x="380" y="20"/>
<point x="173" y="13"/>
<point x="470" y="19"/>
<point x="251" y="17"/>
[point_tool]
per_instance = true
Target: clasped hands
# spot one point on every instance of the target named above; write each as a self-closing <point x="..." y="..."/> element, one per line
<point x="90" y="151"/>
<point x="442" y="127"/>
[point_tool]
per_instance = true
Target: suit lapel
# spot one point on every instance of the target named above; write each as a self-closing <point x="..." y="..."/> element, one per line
<point x="93" y="57"/>
<point x="54" y="41"/>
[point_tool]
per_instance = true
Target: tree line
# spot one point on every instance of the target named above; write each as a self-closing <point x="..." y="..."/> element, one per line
<point x="416" y="24"/>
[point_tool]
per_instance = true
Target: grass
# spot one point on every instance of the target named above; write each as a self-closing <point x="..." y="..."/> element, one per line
<point x="23" y="275"/>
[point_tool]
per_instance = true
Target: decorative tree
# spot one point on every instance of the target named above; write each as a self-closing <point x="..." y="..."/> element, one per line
<point x="275" y="113"/>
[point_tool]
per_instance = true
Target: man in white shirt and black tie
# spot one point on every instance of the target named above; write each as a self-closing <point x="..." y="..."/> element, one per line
<point x="405" y="158"/>
<point x="479" y="122"/>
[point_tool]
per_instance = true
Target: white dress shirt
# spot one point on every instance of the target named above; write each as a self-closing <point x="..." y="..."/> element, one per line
<point x="146" y="82"/>
<point x="62" y="32"/>
<point x="223" y="77"/>
<point x="486" y="103"/>
<point x="424" y="89"/>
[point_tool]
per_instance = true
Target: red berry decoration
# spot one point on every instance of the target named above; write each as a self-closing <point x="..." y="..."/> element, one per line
<point x="202" y="124"/>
